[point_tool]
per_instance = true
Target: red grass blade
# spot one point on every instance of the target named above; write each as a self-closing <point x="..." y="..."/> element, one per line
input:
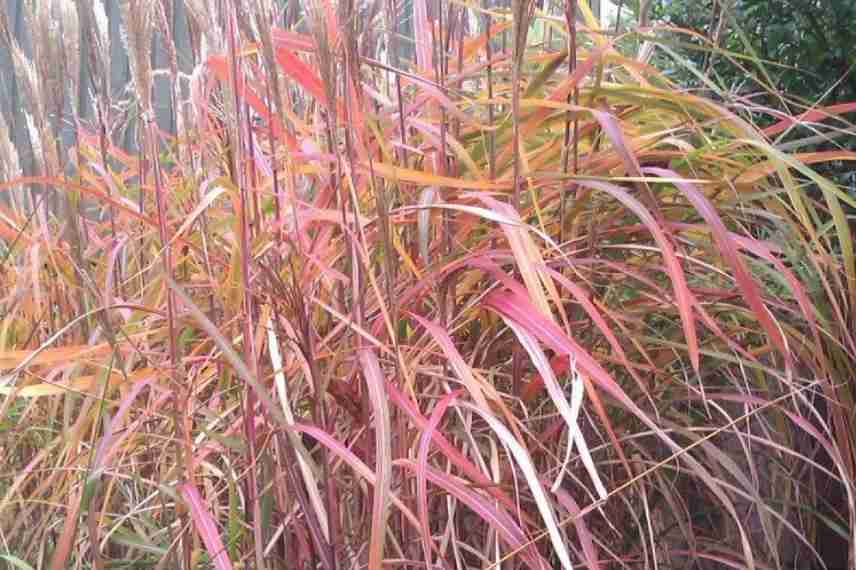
<point x="818" y="113"/>
<point x="295" y="68"/>
<point x="291" y="40"/>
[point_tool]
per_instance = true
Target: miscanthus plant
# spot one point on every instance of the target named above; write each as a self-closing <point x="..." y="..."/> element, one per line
<point x="421" y="284"/>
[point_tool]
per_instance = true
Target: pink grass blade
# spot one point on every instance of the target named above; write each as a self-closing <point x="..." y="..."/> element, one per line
<point x="594" y="314"/>
<point x="583" y="533"/>
<point x="522" y="312"/>
<point x="764" y="251"/>
<point x="291" y="40"/>
<point x="355" y="463"/>
<point x="220" y="66"/>
<point x="682" y="294"/>
<point x="65" y="543"/>
<point x="422" y="468"/>
<point x="508" y="530"/>
<point x="527" y="467"/>
<point x="728" y="248"/>
<point x="450" y="451"/>
<point x="205" y="526"/>
<point x="115" y="431"/>
<point x="461" y="368"/>
<point x="303" y="457"/>
<point x="569" y="411"/>
<point x="528" y="256"/>
<point x="383" y="456"/>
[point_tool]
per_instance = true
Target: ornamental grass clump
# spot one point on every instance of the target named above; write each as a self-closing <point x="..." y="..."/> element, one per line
<point x="421" y="284"/>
